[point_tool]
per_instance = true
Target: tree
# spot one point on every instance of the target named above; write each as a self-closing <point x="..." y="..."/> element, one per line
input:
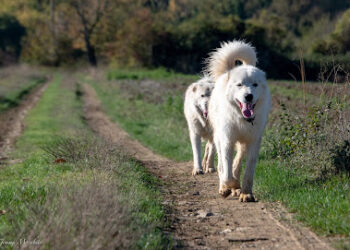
<point x="89" y="13"/>
<point x="11" y="33"/>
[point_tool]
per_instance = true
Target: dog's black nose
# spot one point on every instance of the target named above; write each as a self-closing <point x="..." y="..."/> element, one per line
<point x="248" y="97"/>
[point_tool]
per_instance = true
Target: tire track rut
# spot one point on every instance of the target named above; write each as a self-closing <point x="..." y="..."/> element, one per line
<point x="11" y="121"/>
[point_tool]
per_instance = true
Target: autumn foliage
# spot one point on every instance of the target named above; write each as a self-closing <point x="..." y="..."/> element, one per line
<point x="176" y="34"/>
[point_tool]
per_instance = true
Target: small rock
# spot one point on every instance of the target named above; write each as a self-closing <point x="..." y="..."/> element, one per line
<point x="2" y="212"/>
<point x="242" y="229"/>
<point x="203" y="214"/>
<point x="196" y="193"/>
<point x="227" y="230"/>
<point x="166" y="202"/>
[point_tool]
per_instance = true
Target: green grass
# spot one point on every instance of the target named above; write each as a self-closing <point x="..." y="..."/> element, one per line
<point x="323" y="205"/>
<point x="296" y="93"/>
<point x="36" y="192"/>
<point x="140" y="74"/>
<point x="159" y="126"/>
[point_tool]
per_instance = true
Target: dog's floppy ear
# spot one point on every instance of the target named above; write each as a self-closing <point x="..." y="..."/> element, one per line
<point x="194" y="89"/>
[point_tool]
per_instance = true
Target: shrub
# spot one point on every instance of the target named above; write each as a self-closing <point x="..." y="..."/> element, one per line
<point x="11" y="33"/>
<point x="319" y="135"/>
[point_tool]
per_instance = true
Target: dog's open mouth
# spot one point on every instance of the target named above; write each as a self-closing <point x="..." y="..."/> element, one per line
<point x="205" y="114"/>
<point x="247" y="109"/>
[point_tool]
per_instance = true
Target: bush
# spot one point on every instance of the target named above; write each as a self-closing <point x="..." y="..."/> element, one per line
<point x="320" y="135"/>
<point x="341" y="157"/>
<point x="11" y="33"/>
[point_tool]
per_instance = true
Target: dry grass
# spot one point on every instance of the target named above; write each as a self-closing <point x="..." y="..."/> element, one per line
<point x="86" y="151"/>
<point x="106" y="201"/>
<point x="81" y="216"/>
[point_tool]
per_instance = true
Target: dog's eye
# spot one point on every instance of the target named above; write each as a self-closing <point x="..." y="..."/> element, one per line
<point x="255" y="85"/>
<point x="202" y="95"/>
<point x="239" y="85"/>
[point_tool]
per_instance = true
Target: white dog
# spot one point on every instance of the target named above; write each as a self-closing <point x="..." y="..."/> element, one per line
<point x="238" y="111"/>
<point x="196" y="113"/>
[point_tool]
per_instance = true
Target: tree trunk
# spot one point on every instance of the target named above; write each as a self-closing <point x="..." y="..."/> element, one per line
<point x="90" y="50"/>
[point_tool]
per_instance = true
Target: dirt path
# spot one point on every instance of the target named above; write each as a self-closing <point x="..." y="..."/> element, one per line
<point x="200" y="218"/>
<point x="11" y="121"/>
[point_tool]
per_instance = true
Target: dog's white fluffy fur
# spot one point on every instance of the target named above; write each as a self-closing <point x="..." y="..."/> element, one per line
<point x="196" y="113"/>
<point x="238" y="111"/>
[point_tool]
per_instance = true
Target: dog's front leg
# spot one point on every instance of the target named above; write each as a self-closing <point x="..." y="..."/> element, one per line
<point x="196" y="148"/>
<point x="247" y="185"/>
<point x="205" y="158"/>
<point x="236" y="169"/>
<point x="211" y="155"/>
<point x="208" y="159"/>
<point x="226" y="179"/>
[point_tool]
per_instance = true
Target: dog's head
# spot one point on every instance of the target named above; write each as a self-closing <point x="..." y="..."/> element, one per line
<point x="202" y="91"/>
<point x="246" y="87"/>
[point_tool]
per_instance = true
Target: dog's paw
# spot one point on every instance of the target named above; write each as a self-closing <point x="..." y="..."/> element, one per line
<point x="236" y="192"/>
<point x="205" y="166"/>
<point x="211" y="170"/>
<point x="225" y="192"/>
<point x="197" y="171"/>
<point x="246" y="198"/>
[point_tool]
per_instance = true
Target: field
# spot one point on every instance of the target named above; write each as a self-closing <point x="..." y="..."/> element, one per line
<point x="66" y="188"/>
<point x="64" y="184"/>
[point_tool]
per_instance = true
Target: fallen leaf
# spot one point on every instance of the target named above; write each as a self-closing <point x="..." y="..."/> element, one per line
<point x="60" y="160"/>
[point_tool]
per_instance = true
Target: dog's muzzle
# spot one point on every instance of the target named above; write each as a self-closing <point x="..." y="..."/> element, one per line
<point x="250" y="120"/>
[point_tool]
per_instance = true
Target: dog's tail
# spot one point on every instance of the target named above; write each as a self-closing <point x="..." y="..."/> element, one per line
<point x="224" y="58"/>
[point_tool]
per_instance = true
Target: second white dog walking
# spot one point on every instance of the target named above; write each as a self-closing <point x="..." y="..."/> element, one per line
<point x="196" y="113"/>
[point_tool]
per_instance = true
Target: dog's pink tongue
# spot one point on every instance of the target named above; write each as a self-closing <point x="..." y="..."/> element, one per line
<point x="247" y="110"/>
